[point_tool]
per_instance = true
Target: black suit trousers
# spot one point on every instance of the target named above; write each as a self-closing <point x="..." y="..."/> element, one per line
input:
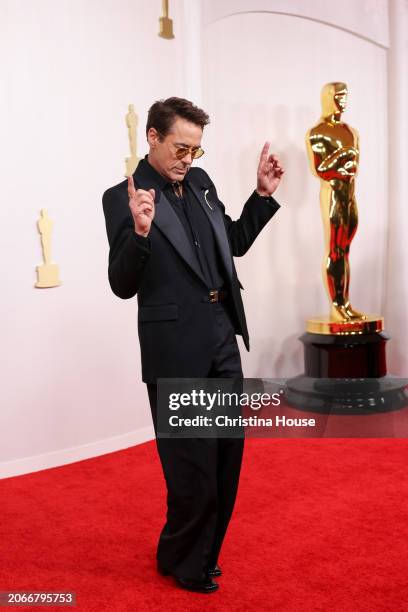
<point x="201" y="474"/>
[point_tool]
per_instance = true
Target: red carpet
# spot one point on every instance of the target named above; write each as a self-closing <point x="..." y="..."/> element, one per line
<point x="319" y="525"/>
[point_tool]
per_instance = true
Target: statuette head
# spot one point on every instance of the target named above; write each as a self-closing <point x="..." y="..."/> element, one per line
<point x="334" y="98"/>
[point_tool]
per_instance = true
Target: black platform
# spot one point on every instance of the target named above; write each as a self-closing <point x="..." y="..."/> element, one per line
<point x="346" y="374"/>
<point x="348" y="356"/>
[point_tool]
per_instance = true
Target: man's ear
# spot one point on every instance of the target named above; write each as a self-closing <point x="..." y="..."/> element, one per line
<point x="153" y="137"/>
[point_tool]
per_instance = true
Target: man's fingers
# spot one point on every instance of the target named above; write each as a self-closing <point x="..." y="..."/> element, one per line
<point x="274" y="164"/>
<point x="274" y="160"/>
<point x="143" y="209"/>
<point x="140" y="195"/>
<point x="264" y="152"/>
<point x="145" y="199"/>
<point x="133" y="192"/>
<point x="138" y="204"/>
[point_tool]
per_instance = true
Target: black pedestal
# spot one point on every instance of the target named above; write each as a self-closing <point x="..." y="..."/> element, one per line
<point x="348" y="356"/>
<point x="346" y="374"/>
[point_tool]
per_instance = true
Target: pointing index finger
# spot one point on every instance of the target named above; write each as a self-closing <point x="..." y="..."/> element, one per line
<point x="264" y="152"/>
<point x="131" y="187"/>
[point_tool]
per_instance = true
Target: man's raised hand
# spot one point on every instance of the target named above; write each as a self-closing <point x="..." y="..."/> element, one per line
<point x="141" y="204"/>
<point x="269" y="172"/>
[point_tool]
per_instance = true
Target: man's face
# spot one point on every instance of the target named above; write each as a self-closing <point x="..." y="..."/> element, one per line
<point x="162" y="155"/>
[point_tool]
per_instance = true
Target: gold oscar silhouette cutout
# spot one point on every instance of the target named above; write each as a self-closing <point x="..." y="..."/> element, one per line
<point x="166" y="24"/>
<point x="48" y="273"/>
<point x="333" y="151"/>
<point x="131" y="122"/>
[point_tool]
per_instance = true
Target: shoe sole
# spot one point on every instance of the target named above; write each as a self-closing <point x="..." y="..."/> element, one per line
<point x="197" y="590"/>
<point x="163" y="572"/>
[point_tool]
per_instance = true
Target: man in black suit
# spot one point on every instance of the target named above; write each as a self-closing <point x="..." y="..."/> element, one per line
<point x="172" y="244"/>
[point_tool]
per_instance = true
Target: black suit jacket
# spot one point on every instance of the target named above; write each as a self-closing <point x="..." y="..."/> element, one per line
<point x="174" y="315"/>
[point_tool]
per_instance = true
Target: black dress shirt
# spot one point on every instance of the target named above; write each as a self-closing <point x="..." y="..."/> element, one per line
<point x="196" y="225"/>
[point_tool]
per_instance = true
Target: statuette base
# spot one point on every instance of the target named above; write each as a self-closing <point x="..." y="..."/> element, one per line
<point x="326" y="325"/>
<point x="166" y="27"/>
<point x="48" y="276"/>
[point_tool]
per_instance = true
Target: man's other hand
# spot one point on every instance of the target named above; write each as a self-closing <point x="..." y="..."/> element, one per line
<point x="269" y="172"/>
<point x="141" y="204"/>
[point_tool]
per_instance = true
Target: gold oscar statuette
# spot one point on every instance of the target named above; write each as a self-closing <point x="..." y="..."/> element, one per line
<point x="131" y="122"/>
<point x="48" y="273"/>
<point x="165" y="23"/>
<point x="345" y="362"/>
<point x="333" y="151"/>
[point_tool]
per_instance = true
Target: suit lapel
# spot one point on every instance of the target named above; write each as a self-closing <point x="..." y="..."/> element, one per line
<point x="168" y="222"/>
<point x="214" y="214"/>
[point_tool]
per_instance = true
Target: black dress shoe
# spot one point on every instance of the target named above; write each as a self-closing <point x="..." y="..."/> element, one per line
<point x="199" y="586"/>
<point x="215" y="571"/>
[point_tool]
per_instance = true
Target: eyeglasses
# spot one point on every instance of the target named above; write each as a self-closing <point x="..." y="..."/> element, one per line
<point x="181" y="152"/>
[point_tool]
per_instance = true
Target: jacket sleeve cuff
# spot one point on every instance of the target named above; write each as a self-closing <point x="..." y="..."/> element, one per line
<point x="142" y="242"/>
<point x="269" y="200"/>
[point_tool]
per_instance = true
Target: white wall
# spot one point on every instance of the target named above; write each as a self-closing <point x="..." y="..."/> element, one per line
<point x="71" y="367"/>
<point x="71" y="383"/>
<point x="365" y="18"/>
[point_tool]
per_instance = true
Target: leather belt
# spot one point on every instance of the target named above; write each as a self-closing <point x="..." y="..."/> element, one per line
<point x="217" y="295"/>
